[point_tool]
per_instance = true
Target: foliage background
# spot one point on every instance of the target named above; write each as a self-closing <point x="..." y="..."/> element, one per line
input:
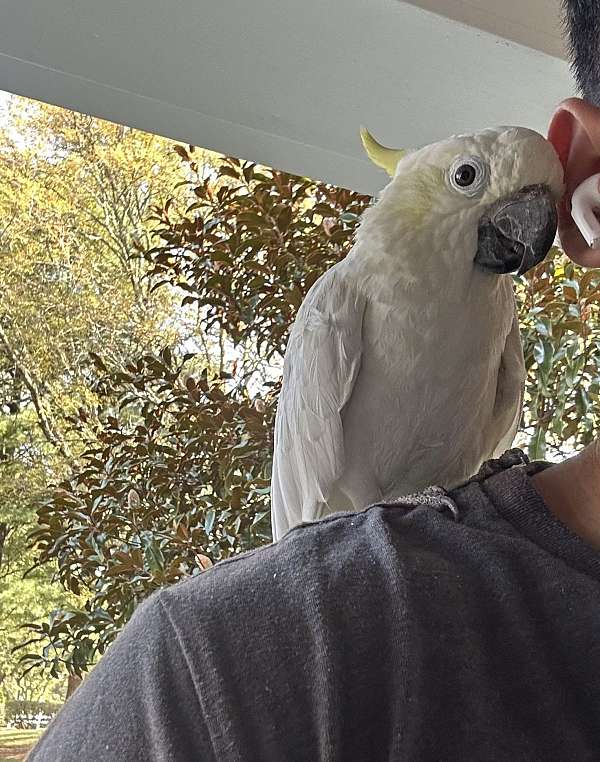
<point x="158" y="366"/>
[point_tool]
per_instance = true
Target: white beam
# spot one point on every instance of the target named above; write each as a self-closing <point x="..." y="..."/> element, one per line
<point x="287" y="84"/>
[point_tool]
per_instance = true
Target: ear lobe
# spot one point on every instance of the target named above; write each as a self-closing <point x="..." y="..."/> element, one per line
<point x="574" y="132"/>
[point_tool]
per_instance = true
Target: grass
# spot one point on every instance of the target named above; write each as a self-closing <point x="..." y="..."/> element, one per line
<point x="14" y="743"/>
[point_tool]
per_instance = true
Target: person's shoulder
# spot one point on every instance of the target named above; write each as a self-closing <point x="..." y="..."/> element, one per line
<point x="289" y="560"/>
<point x="328" y="554"/>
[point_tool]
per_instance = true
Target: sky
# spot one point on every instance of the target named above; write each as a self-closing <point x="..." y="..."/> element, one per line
<point x="4" y="99"/>
<point x="4" y="96"/>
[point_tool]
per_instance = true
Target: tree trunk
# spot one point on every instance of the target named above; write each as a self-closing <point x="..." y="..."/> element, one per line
<point x="3" y="536"/>
<point x="72" y="685"/>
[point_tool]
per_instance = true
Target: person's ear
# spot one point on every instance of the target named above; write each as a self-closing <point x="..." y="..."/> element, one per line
<point x="574" y="132"/>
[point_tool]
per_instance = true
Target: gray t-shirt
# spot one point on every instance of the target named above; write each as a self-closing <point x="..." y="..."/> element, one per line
<point x="432" y="629"/>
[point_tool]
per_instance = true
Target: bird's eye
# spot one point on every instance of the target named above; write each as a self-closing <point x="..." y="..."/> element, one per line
<point x="468" y="175"/>
<point x="465" y="175"/>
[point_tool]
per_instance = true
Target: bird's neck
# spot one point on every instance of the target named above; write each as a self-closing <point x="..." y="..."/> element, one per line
<point x="405" y="265"/>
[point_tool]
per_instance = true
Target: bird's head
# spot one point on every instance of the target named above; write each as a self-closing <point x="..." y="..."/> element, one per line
<point x="485" y="201"/>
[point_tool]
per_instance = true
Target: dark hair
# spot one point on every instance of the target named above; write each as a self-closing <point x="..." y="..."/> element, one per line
<point x="582" y="26"/>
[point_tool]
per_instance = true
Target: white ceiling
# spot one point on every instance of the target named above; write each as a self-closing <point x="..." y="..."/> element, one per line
<point x="289" y="83"/>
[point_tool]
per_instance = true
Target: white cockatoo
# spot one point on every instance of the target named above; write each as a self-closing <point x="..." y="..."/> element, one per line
<point x="404" y="367"/>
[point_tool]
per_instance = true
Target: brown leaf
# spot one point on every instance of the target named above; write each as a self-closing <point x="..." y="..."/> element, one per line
<point x="203" y="562"/>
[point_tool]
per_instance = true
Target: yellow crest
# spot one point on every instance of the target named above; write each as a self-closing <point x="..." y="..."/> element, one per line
<point x="386" y="158"/>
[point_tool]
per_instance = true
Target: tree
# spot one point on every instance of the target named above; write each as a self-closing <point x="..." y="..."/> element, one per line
<point x="75" y="195"/>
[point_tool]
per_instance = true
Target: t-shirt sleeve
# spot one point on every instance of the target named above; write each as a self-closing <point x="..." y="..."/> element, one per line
<point x="295" y="652"/>
<point x="139" y="703"/>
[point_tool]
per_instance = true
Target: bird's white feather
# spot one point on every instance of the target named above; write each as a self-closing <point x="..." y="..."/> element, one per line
<point x="322" y="362"/>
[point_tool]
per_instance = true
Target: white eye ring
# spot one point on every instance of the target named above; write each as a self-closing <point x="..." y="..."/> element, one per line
<point x="480" y="173"/>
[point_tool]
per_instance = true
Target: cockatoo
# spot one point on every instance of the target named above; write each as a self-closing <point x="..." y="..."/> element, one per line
<point x="404" y="367"/>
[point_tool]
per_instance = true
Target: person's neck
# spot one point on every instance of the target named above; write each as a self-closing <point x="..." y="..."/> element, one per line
<point x="571" y="490"/>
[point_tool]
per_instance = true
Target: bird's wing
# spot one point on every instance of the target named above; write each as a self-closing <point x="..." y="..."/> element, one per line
<point x="509" y="392"/>
<point x="321" y="364"/>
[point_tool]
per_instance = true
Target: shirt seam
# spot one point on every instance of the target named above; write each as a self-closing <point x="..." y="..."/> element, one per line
<point x="183" y="651"/>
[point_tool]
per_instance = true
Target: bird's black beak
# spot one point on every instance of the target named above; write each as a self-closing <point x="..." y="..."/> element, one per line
<point x="516" y="233"/>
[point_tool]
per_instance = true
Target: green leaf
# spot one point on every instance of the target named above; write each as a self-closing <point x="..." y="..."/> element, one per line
<point x="537" y="445"/>
<point x="209" y="521"/>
